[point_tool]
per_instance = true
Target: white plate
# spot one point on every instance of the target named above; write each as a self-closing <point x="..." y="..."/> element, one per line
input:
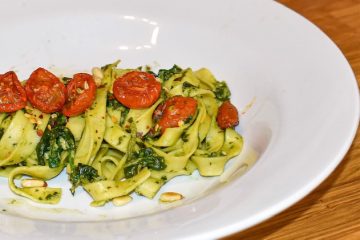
<point x="301" y="125"/>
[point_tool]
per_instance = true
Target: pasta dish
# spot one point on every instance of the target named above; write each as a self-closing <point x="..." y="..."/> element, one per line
<point x="115" y="132"/>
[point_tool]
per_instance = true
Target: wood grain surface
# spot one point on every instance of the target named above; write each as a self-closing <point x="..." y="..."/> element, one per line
<point x="332" y="210"/>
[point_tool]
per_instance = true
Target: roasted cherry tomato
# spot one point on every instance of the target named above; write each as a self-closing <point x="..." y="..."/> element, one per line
<point x="137" y="89"/>
<point x="80" y="94"/>
<point x="12" y="94"/>
<point x="227" y="115"/>
<point x="45" y="91"/>
<point x="174" y="110"/>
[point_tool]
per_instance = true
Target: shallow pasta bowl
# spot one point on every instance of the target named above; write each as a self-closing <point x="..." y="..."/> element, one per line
<point x="302" y="120"/>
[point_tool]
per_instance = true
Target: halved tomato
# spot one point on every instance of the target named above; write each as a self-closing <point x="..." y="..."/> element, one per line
<point x="12" y="94"/>
<point x="137" y="89"/>
<point x="45" y="91"/>
<point x="80" y="94"/>
<point x="227" y="115"/>
<point x="174" y="110"/>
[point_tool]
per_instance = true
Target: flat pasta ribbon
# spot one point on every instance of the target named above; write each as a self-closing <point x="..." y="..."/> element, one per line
<point x="21" y="137"/>
<point x="107" y="190"/>
<point x="38" y="194"/>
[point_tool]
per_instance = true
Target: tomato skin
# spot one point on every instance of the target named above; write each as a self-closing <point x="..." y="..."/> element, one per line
<point x="227" y="115"/>
<point x="45" y="91"/>
<point x="137" y="89"/>
<point x="12" y="93"/>
<point x="80" y="94"/>
<point x="174" y="110"/>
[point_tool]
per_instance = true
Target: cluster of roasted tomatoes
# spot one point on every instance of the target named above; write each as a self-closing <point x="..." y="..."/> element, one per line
<point x="135" y="90"/>
<point x="47" y="93"/>
<point x="141" y="90"/>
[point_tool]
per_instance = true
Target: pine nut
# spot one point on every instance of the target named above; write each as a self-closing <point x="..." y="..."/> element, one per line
<point x="33" y="183"/>
<point x="98" y="75"/>
<point x="120" y="201"/>
<point x="167" y="197"/>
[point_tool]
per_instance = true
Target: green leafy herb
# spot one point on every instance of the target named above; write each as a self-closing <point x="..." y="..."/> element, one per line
<point x="188" y="119"/>
<point x="151" y="72"/>
<point x="187" y="85"/>
<point x="66" y="80"/>
<point x="82" y="174"/>
<point x="140" y="156"/>
<point x="54" y="142"/>
<point x="188" y="89"/>
<point x="112" y="102"/>
<point x="146" y="157"/>
<point x="110" y="66"/>
<point x="185" y="136"/>
<point x="166" y="74"/>
<point x="222" y="91"/>
<point x="57" y="119"/>
<point x="4" y="124"/>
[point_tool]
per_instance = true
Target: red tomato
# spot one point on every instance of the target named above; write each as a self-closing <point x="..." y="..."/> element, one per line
<point x="174" y="110"/>
<point x="12" y="94"/>
<point x="45" y="91"/>
<point x="137" y="89"/>
<point x="80" y="94"/>
<point x="227" y="115"/>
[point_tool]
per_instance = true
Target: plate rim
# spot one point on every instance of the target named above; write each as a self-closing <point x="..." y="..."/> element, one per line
<point x="306" y="189"/>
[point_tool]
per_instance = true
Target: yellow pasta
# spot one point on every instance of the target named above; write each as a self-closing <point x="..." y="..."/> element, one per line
<point x="113" y="151"/>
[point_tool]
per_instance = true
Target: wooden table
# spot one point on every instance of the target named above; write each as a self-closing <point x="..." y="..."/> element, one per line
<point x="332" y="210"/>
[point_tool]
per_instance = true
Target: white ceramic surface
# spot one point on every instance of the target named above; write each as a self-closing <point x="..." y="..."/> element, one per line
<point x="301" y="124"/>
